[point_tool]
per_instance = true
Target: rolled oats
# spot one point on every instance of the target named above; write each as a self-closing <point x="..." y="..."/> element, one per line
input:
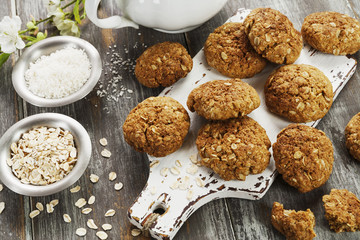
<point x="81" y="232"/>
<point x="199" y="182"/>
<point x="153" y="190"/>
<point x="174" y="185"/>
<point x="175" y="170"/>
<point x="54" y="202"/>
<point x="67" y="218"/>
<point x="103" y="142"/>
<point x="192" y="169"/>
<point x="75" y="189"/>
<point x="106" y="227"/>
<point x="106" y="153"/>
<point x="110" y="213"/>
<point x="178" y="163"/>
<point x="86" y="211"/>
<point x="135" y="232"/>
<point x="194" y="159"/>
<point x="43" y="155"/>
<point x="39" y="206"/>
<point x="91" y="224"/>
<point x="91" y="200"/>
<point x="154" y="163"/>
<point x="118" y="186"/>
<point x="94" y="178"/>
<point x="189" y="194"/>
<point x="80" y="202"/>
<point x="112" y="176"/>
<point x="102" y="235"/>
<point x="49" y="208"/>
<point x="2" y="207"/>
<point x="34" y="213"/>
<point x="164" y="171"/>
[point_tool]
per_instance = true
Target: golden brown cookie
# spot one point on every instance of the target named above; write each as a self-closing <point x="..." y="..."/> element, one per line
<point x="352" y="135"/>
<point x="229" y="51"/>
<point x="342" y="210"/>
<point x="234" y="148"/>
<point x="273" y="36"/>
<point x="163" y="64"/>
<point x="303" y="156"/>
<point x="332" y="32"/>
<point x="157" y="126"/>
<point x="223" y="99"/>
<point x="298" y="92"/>
<point x="294" y="225"/>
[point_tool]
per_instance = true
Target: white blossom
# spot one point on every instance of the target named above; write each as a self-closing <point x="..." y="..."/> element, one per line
<point x="69" y="28"/>
<point x="51" y="5"/>
<point x="9" y="34"/>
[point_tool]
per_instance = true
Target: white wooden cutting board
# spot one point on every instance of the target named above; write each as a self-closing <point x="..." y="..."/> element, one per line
<point x="181" y="202"/>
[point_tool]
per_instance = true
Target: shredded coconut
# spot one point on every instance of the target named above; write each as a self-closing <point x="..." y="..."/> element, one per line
<point x="60" y="74"/>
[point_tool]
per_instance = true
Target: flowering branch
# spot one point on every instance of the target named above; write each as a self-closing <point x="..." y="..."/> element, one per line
<point x="66" y="21"/>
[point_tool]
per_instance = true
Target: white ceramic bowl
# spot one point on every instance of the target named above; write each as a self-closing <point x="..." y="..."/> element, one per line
<point x="46" y="47"/>
<point x="13" y="134"/>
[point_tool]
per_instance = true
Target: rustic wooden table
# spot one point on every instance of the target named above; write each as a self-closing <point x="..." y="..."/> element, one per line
<point x="104" y="116"/>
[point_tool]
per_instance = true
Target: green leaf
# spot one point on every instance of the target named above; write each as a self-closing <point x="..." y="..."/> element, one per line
<point x="3" y="58"/>
<point x="76" y="12"/>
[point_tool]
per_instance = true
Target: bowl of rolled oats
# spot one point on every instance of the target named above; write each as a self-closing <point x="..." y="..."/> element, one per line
<point x="43" y="154"/>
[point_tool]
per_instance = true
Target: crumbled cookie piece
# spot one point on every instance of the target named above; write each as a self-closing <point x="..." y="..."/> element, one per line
<point x="298" y="92"/>
<point x="342" y="210"/>
<point x="234" y="148"/>
<point x="163" y="64"/>
<point x="304" y="156"/>
<point x="223" y="99"/>
<point x="157" y="126"/>
<point x="229" y="51"/>
<point x="273" y="35"/>
<point x="332" y="32"/>
<point x="352" y="136"/>
<point x="294" y="225"/>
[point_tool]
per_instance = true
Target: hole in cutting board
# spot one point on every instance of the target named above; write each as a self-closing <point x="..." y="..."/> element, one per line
<point x="159" y="209"/>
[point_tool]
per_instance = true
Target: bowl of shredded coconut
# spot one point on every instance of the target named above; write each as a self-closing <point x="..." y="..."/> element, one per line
<point x="57" y="71"/>
<point x="44" y="154"/>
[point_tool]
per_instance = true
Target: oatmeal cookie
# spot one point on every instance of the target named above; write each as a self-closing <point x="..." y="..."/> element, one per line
<point x="234" y="148"/>
<point x="304" y="156"/>
<point x="273" y="35"/>
<point x="229" y="51"/>
<point x="298" y="92"/>
<point x="294" y="225"/>
<point x="342" y="210"/>
<point x="352" y="135"/>
<point x="163" y="64"/>
<point x="223" y="99"/>
<point x="157" y="126"/>
<point x="332" y="32"/>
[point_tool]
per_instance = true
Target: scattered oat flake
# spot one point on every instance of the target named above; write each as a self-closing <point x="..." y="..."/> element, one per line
<point x="103" y="142"/>
<point x="102" y="235"/>
<point x="34" y="213"/>
<point x="110" y="213"/>
<point x="178" y="163"/>
<point x="199" y="182"/>
<point x="54" y="202"/>
<point x="192" y="169"/>
<point x="67" y="218"/>
<point x="2" y="207"/>
<point x="1" y="187"/>
<point x="75" y="189"/>
<point x="86" y="211"/>
<point x="154" y="163"/>
<point x="91" y="200"/>
<point x="80" y="202"/>
<point x="189" y="194"/>
<point x="135" y="232"/>
<point x="106" y="153"/>
<point x="94" y="178"/>
<point x="153" y="190"/>
<point x="175" y="185"/>
<point x="81" y="232"/>
<point x="39" y="206"/>
<point x="118" y="186"/>
<point x="194" y="159"/>
<point x="164" y="171"/>
<point x="112" y="176"/>
<point x="49" y="208"/>
<point x="175" y="170"/>
<point x="106" y="227"/>
<point x="91" y="224"/>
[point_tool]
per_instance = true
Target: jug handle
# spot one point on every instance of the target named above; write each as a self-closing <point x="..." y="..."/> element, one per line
<point x="91" y="7"/>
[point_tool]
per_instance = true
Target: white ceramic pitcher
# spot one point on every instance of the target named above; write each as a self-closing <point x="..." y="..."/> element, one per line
<point x="172" y="16"/>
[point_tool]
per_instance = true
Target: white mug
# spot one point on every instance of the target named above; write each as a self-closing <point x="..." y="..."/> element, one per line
<point x="171" y="16"/>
